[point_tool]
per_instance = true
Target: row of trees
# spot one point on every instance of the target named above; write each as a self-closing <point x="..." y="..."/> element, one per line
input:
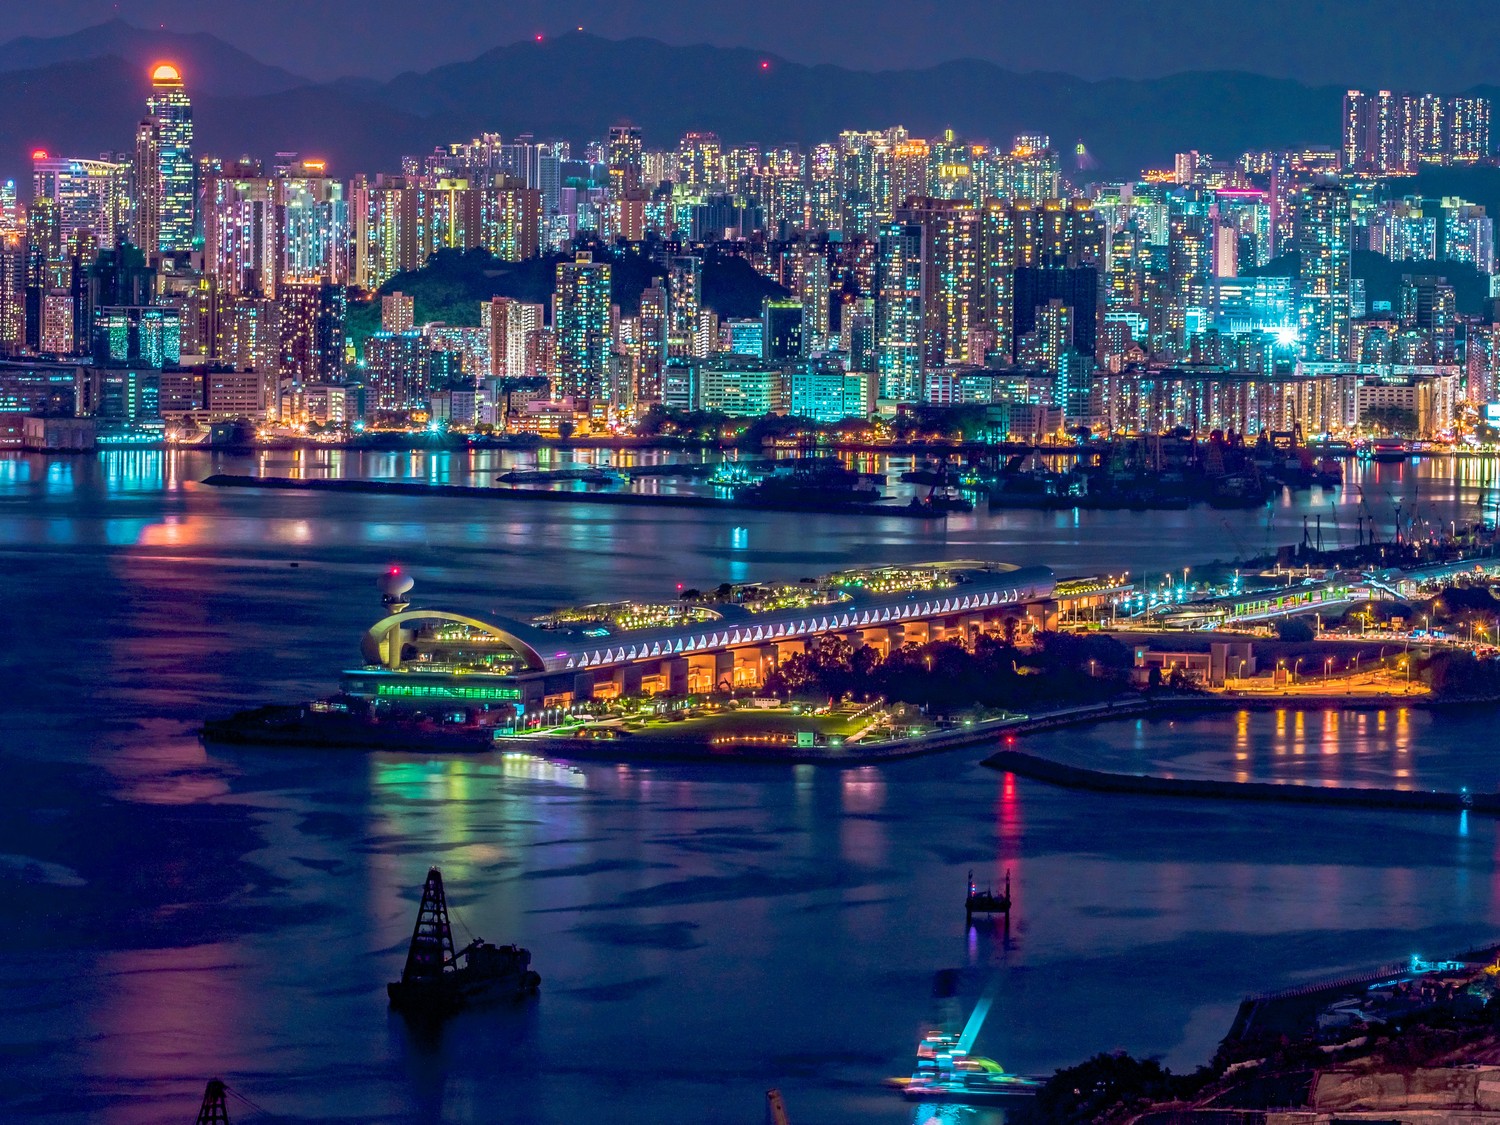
<point x="946" y="676"/>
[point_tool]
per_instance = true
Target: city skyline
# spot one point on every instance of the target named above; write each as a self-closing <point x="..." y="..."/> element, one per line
<point x="175" y="288"/>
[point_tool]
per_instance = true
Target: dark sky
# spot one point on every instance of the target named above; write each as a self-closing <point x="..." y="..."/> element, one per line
<point x="1441" y="46"/>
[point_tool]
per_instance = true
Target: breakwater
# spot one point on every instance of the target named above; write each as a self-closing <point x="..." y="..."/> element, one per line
<point x="1030" y="766"/>
<point x="541" y="495"/>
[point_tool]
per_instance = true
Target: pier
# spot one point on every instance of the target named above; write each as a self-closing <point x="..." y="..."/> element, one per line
<point x="1075" y="777"/>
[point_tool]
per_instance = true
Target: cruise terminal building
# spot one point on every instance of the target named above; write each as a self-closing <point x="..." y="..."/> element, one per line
<point x="419" y="659"/>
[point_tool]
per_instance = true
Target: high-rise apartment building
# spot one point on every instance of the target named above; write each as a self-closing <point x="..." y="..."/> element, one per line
<point x="1323" y="306"/>
<point x="652" y="338"/>
<point x="170" y="112"/>
<point x="950" y="259"/>
<point x="900" y="305"/>
<point x="685" y="293"/>
<point x="91" y="195"/>
<point x="581" y="326"/>
<point x="311" y="315"/>
<point x="806" y="273"/>
<point x="508" y="326"/>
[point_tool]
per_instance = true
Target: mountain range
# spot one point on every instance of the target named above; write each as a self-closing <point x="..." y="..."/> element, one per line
<point x="82" y="94"/>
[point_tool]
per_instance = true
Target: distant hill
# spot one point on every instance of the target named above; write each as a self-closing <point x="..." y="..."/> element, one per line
<point x="216" y="67"/>
<point x="83" y="93"/>
<point x="575" y="85"/>
<point x="42" y="109"/>
<point x="453" y="283"/>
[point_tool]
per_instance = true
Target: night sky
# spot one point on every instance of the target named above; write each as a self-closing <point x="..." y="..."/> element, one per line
<point x="1439" y="46"/>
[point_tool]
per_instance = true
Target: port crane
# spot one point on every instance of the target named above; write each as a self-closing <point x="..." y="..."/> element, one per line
<point x="215" y="1107"/>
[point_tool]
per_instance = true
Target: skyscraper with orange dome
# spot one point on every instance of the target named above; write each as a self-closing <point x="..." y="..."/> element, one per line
<point x="170" y="112"/>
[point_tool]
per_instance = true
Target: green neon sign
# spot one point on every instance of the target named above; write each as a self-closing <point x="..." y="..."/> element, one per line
<point x="445" y="691"/>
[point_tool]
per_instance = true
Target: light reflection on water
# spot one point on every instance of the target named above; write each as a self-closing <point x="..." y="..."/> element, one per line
<point x="702" y="934"/>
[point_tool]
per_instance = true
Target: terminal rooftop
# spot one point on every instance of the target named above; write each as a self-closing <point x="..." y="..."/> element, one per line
<point x="728" y="638"/>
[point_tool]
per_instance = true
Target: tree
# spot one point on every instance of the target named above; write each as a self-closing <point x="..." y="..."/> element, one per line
<point x="1295" y="629"/>
<point x="1089" y="1091"/>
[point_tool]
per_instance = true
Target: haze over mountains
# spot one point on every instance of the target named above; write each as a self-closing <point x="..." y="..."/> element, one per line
<point x="82" y="94"/>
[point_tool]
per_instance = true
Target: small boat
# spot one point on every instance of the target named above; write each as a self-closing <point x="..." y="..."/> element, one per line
<point x="943" y="500"/>
<point x="947" y="1072"/>
<point x="439" y="980"/>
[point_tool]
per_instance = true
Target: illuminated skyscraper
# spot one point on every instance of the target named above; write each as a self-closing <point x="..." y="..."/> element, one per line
<point x="12" y="222"/>
<point x="581" y="326"/>
<point x="807" y="278"/>
<point x="685" y="292"/>
<point x="700" y="160"/>
<point x="90" y="194"/>
<point x="510" y="219"/>
<point x="624" y="154"/>
<point x="783" y="196"/>
<point x="997" y="270"/>
<point x="899" y="307"/>
<point x="1033" y="170"/>
<point x="1380" y="132"/>
<point x="145" y="187"/>
<point x="508" y="326"/>
<point x="171" y="112"/>
<point x="781" y="329"/>
<point x="241" y="234"/>
<point x="314" y="223"/>
<point x="950" y="259"/>
<point x="1323" y="276"/>
<point x="652" y="342"/>
<point x="311" y="315"/>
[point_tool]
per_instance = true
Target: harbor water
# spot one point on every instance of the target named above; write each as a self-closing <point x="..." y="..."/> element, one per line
<point x="173" y="913"/>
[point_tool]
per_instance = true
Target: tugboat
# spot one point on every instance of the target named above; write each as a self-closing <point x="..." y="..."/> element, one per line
<point x="946" y="1071"/>
<point x="435" y="984"/>
<point x="942" y="500"/>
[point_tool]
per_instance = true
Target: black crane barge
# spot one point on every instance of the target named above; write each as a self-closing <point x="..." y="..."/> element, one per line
<point x="434" y="982"/>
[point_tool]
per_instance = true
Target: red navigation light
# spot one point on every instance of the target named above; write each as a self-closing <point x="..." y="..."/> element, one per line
<point x="538" y="38"/>
<point x="765" y="64"/>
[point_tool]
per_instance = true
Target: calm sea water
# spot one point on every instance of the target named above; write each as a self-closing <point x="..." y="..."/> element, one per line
<point x="170" y="914"/>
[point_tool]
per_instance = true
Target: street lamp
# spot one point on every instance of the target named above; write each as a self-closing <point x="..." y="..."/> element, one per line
<point x="1327" y="663"/>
